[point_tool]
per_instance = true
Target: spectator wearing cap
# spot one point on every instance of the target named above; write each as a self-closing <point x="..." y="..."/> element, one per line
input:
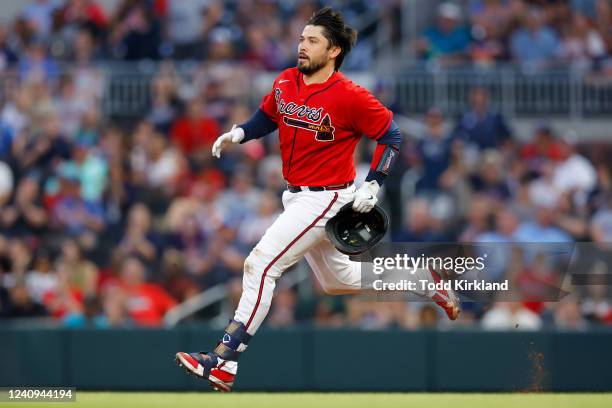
<point x="447" y="40"/>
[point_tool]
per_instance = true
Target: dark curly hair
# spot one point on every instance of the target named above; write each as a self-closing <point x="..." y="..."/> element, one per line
<point x="336" y="31"/>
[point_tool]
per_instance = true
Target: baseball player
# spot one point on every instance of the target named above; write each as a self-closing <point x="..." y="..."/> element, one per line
<point x="320" y="116"/>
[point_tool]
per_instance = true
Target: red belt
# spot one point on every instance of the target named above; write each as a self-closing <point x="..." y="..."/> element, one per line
<point x="297" y="189"/>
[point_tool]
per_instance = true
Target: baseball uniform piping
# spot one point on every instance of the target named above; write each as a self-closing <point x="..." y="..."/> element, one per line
<point x="263" y="277"/>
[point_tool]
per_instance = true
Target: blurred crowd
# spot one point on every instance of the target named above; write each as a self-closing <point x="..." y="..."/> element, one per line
<point x="261" y="33"/>
<point x="111" y="224"/>
<point x="531" y="33"/>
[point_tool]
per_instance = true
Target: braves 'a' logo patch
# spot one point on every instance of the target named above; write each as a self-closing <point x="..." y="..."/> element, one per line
<point x="324" y="130"/>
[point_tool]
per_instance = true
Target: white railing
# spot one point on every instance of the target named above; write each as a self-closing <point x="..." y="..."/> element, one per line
<point x="558" y="92"/>
<point x="554" y="92"/>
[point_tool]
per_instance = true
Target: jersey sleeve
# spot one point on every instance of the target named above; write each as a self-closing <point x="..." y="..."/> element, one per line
<point x="370" y="117"/>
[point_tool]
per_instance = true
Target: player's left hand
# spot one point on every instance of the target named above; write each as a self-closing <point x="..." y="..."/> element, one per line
<point x="365" y="196"/>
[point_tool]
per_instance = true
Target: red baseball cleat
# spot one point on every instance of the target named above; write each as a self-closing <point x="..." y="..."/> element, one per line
<point x="219" y="373"/>
<point x="446" y="299"/>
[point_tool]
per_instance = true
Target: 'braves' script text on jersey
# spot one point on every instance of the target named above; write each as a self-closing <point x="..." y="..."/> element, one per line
<point x="320" y="124"/>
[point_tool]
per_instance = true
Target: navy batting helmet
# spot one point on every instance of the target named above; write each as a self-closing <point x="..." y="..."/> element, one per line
<point x="353" y="232"/>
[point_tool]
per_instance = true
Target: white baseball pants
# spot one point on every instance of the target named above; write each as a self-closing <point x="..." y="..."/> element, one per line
<point x="299" y="231"/>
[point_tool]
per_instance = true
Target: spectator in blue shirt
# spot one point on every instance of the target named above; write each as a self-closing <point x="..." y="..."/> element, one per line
<point x="74" y="215"/>
<point x="434" y="152"/>
<point x="481" y="127"/>
<point x="534" y="44"/>
<point x="36" y="65"/>
<point x="542" y="228"/>
<point x="448" y="40"/>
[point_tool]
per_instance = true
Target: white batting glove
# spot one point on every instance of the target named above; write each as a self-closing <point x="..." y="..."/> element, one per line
<point x="365" y="196"/>
<point x="233" y="136"/>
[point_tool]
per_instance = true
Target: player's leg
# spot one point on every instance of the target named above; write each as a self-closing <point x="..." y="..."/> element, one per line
<point x="334" y="270"/>
<point x="339" y="275"/>
<point x="300" y="227"/>
<point x="294" y="232"/>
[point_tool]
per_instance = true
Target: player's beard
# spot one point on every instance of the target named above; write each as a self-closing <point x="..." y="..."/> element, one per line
<point x="311" y="66"/>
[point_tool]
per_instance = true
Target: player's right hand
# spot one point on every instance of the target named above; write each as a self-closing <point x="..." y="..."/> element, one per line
<point x="233" y="136"/>
<point x="365" y="196"/>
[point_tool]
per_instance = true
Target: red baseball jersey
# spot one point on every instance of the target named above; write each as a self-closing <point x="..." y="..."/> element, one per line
<point x="320" y="125"/>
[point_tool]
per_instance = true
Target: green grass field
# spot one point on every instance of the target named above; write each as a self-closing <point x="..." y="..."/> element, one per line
<point x="323" y="400"/>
